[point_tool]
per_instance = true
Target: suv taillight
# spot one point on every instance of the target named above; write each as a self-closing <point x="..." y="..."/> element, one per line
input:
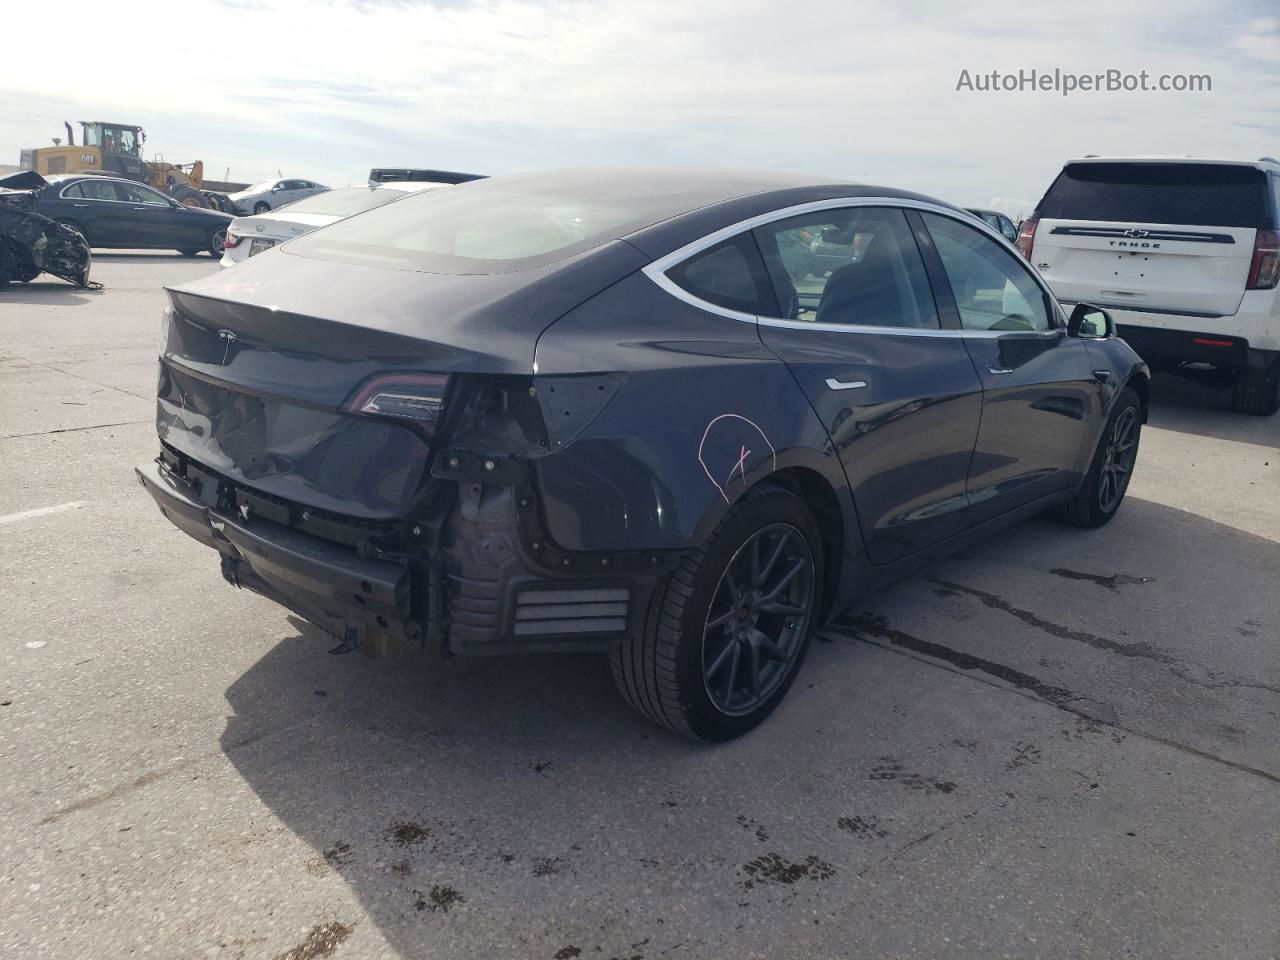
<point x="1264" y="269"/>
<point x="1027" y="237"/>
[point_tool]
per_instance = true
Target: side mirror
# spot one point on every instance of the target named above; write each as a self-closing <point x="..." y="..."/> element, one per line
<point x="1090" y="322"/>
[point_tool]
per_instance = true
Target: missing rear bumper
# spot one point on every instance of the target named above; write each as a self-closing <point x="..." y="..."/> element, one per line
<point x="362" y="601"/>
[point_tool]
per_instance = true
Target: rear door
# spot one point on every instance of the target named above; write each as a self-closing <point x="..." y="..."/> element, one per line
<point x="1158" y="237"/>
<point x="95" y="205"/>
<point x="1038" y="384"/>
<point x="896" y="391"/>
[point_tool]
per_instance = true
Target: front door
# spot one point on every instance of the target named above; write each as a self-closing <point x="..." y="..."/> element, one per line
<point x="898" y="394"/>
<point x="1038" y="384"/>
<point x="150" y="219"/>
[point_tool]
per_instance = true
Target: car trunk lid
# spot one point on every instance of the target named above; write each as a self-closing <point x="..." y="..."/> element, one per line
<point x="259" y="364"/>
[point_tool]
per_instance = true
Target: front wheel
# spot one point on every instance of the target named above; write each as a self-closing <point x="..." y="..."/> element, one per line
<point x="1104" y="486"/>
<point x="726" y="631"/>
<point x="261" y="207"/>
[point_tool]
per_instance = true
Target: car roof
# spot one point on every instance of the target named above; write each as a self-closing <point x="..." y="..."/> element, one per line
<point x="1261" y="163"/>
<point x="982" y="211"/>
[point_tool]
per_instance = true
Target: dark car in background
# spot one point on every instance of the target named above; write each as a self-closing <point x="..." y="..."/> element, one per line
<point x="998" y="220"/>
<point x="593" y="411"/>
<point x="124" y="214"/>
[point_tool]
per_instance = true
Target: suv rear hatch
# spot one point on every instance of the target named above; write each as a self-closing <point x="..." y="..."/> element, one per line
<point x="1173" y="237"/>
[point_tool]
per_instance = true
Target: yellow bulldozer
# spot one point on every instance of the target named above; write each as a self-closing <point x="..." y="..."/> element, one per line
<point x="115" y="149"/>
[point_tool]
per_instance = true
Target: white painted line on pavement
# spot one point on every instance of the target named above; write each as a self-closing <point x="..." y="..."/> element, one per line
<point x="41" y="512"/>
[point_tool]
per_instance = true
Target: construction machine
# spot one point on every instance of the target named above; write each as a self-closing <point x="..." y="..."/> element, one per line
<point x="115" y="149"/>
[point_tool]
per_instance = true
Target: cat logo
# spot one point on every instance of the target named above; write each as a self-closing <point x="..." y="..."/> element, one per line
<point x="88" y="158"/>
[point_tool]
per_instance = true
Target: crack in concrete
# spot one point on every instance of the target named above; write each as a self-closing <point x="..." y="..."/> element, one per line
<point x="1074" y="706"/>
<point x="1181" y="668"/>
<point x="94" y="426"/>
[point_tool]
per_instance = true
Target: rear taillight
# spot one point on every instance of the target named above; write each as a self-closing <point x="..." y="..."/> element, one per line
<point x="1264" y="269"/>
<point x="417" y="398"/>
<point x="231" y="240"/>
<point x="1027" y="237"/>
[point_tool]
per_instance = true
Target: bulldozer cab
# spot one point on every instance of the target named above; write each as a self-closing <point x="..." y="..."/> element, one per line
<point x="119" y="145"/>
<point x="115" y="138"/>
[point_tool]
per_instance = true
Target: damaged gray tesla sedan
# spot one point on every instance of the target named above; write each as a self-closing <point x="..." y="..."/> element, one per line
<point x="594" y="410"/>
<point x="31" y="244"/>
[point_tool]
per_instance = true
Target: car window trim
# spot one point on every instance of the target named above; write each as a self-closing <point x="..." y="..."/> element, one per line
<point x="656" y="270"/>
<point x="62" y="194"/>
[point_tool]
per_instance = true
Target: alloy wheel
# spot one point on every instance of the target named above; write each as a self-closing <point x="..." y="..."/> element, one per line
<point x="1118" y="459"/>
<point x="758" y="617"/>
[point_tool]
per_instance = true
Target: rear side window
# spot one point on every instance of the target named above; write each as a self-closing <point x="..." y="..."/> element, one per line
<point x="858" y="266"/>
<point x="729" y="275"/>
<point x="1187" y="194"/>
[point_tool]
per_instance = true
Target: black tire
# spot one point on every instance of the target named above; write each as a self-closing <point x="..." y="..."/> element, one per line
<point x="661" y="671"/>
<point x="1257" y="390"/>
<point x="1093" y="506"/>
<point x="190" y="197"/>
<point x="261" y="206"/>
<point x="217" y="241"/>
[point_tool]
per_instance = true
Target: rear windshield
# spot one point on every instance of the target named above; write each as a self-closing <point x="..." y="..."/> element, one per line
<point x="502" y="224"/>
<point x="1188" y="194"/>
<point x="344" y="202"/>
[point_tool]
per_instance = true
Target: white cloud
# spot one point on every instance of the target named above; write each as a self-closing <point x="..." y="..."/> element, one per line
<point x="862" y="90"/>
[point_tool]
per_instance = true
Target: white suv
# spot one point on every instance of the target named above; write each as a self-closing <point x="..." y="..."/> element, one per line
<point x="1182" y="252"/>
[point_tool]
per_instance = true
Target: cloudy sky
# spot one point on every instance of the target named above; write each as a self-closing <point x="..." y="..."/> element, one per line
<point x="846" y="88"/>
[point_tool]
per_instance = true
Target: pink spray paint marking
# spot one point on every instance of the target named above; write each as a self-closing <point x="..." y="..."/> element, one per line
<point x="743" y="454"/>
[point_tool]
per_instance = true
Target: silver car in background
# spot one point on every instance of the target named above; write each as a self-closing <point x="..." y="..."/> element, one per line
<point x="270" y="194"/>
<point x="251" y="235"/>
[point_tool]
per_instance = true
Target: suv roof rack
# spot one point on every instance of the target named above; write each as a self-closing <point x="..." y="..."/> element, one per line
<point x="401" y="174"/>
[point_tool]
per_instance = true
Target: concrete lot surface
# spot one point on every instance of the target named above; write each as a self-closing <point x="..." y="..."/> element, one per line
<point x="1058" y="744"/>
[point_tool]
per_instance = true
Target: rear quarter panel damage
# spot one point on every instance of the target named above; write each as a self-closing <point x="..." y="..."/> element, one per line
<point x="702" y="413"/>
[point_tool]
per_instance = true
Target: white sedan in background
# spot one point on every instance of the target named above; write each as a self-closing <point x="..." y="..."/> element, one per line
<point x="249" y="235"/>
<point x="270" y="194"/>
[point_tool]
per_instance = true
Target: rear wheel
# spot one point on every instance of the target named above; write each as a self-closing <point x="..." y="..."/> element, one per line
<point x="1104" y="486"/>
<point x="726" y="632"/>
<point x="1257" y="390"/>
<point x="217" y="242"/>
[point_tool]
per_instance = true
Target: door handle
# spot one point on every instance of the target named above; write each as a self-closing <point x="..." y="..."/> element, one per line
<point x="79" y="204"/>
<point x="1102" y="376"/>
<point x="835" y="384"/>
<point x="999" y="370"/>
<point x="140" y="208"/>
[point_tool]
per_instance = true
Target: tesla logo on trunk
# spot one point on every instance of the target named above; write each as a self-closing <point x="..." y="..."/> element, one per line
<point x="227" y="338"/>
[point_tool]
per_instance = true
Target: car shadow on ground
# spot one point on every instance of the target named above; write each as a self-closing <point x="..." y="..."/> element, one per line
<point x="1199" y="403"/>
<point x="48" y="292"/>
<point x="493" y="801"/>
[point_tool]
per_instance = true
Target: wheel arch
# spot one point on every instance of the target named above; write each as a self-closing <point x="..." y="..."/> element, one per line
<point x="1140" y="382"/>
<point x="823" y="503"/>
